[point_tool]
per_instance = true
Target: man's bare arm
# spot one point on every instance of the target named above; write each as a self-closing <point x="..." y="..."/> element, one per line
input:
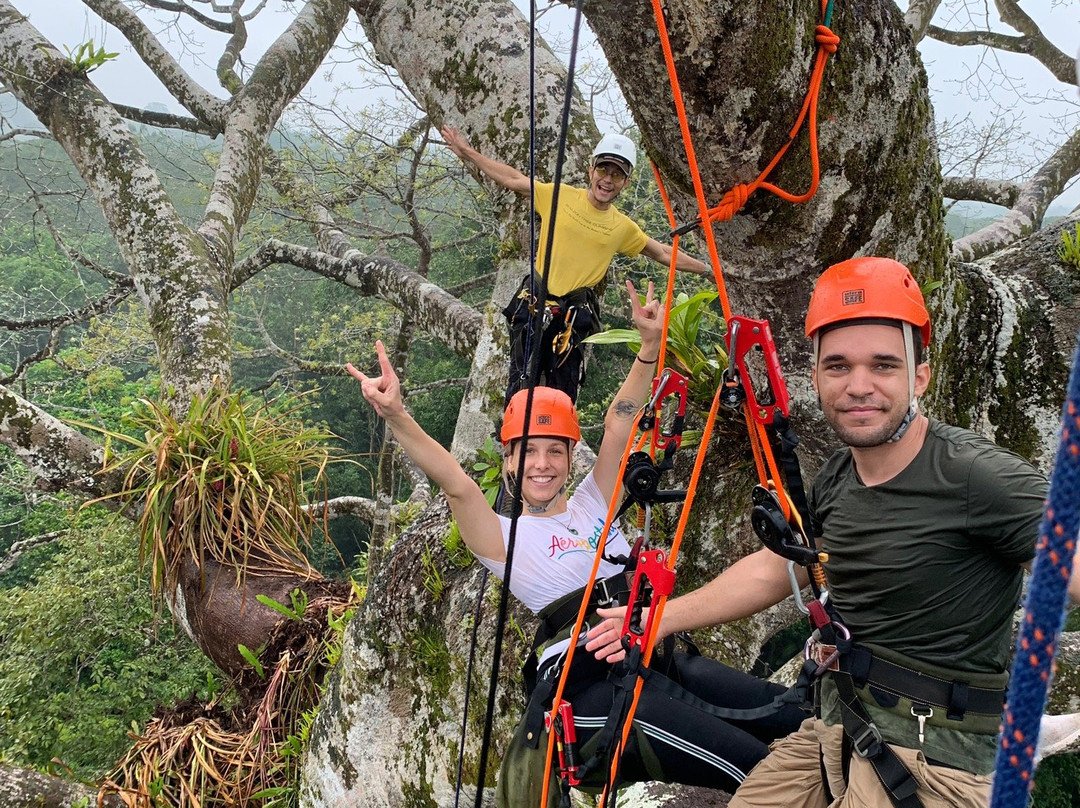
<point x="506" y="176"/>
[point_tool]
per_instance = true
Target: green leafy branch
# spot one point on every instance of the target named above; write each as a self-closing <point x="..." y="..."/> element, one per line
<point x="489" y="464"/>
<point x="691" y="321"/>
<point x="299" y="600"/>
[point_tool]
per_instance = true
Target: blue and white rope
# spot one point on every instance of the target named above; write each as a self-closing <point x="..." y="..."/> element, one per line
<point x="1044" y="614"/>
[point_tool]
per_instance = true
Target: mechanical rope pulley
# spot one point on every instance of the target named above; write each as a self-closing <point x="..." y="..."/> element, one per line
<point x="771" y="397"/>
<point x="775" y="531"/>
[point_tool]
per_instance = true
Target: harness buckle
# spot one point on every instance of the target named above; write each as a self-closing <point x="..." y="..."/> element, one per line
<point x="606" y="599"/>
<point x="826" y="656"/>
<point x="867" y="744"/>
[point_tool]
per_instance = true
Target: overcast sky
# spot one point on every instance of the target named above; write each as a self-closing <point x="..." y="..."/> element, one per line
<point x="67" y="22"/>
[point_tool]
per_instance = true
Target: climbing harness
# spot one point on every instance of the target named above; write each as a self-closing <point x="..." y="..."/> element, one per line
<point x="1044" y="612"/>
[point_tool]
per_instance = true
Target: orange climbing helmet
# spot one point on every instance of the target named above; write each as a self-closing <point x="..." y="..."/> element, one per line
<point x="867" y="288"/>
<point x="553" y="416"/>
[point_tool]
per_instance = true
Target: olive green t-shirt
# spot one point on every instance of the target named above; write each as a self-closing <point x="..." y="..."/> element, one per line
<point x="928" y="564"/>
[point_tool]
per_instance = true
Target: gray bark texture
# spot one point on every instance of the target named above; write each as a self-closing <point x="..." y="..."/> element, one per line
<point x="25" y="788"/>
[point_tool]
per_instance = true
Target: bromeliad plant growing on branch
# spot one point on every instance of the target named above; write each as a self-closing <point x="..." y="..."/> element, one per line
<point x="225" y="483"/>
<point x="226" y="486"/>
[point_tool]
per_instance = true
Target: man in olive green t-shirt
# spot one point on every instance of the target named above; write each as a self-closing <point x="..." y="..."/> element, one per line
<point x="589" y="232"/>
<point x="928" y="529"/>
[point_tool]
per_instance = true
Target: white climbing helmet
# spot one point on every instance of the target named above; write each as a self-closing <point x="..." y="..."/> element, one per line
<point x="618" y="148"/>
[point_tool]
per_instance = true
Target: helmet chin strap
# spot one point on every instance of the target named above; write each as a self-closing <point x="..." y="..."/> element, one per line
<point x="913" y="406"/>
<point x="542" y="508"/>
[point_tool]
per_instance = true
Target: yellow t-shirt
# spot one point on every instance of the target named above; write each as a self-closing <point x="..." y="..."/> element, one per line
<point x="586" y="239"/>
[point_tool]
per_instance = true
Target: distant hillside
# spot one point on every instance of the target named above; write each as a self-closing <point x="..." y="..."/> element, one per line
<point x="965" y="218"/>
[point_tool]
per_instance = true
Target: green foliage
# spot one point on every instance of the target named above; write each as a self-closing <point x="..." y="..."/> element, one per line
<point x="434" y="582"/>
<point x="298" y="598"/>
<point x="459" y="553"/>
<point x="1069" y="251"/>
<point x="489" y="464"/>
<point x="1056" y="782"/>
<point x="84" y="657"/>
<point x="205" y="755"/>
<point x="226" y="482"/>
<point x="432" y="656"/>
<point x="252" y="658"/>
<point x="86" y="57"/>
<point x="690" y="321"/>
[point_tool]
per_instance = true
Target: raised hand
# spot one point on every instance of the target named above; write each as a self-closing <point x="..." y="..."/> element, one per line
<point x="647" y="318"/>
<point x="382" y="392"/>
<point x="455" y="142"/>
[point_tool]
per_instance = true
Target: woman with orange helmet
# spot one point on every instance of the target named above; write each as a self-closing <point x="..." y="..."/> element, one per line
<point x="539" y="431"/>
<point x="555" y="544"/>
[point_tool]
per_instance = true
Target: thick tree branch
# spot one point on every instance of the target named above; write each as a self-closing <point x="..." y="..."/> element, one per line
<point x="1027" y="212"/>
<point x="280" y="75"/>
<point x="994" y="192"/>
<point x="26" y="787"/>
<point x="989" y="39"/>
<point x="918" y="16"/>
<point x="57" y="455"/>
<point x="1032" y="41"/>
<point x="1059" y="63"/>
<point x="168" y="262"/>
<point x="195" y="99"/>
<point x="443" y="316"/>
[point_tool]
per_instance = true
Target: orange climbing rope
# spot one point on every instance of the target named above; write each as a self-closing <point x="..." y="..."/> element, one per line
<point x="764" y="459"/>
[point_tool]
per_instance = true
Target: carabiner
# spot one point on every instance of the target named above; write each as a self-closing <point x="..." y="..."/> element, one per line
<point x="668" y="383"/>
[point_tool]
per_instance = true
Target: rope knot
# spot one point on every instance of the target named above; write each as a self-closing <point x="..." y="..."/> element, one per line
<point x="826" y="39"/>
<point x="731" y="204"/>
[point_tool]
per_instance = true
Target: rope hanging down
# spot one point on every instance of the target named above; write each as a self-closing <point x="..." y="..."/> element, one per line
<point x="768" y="410"/>
<point x="500" y="625"/>
<point x="1044" y="613"/>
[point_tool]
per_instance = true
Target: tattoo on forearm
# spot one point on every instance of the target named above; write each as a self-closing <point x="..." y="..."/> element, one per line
<point x="625" y="408"/>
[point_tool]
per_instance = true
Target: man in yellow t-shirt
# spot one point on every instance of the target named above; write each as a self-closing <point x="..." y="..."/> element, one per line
<point x="589" y="231"/>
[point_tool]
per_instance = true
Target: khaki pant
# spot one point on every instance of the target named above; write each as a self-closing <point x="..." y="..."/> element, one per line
<point x="791" y="776"/>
